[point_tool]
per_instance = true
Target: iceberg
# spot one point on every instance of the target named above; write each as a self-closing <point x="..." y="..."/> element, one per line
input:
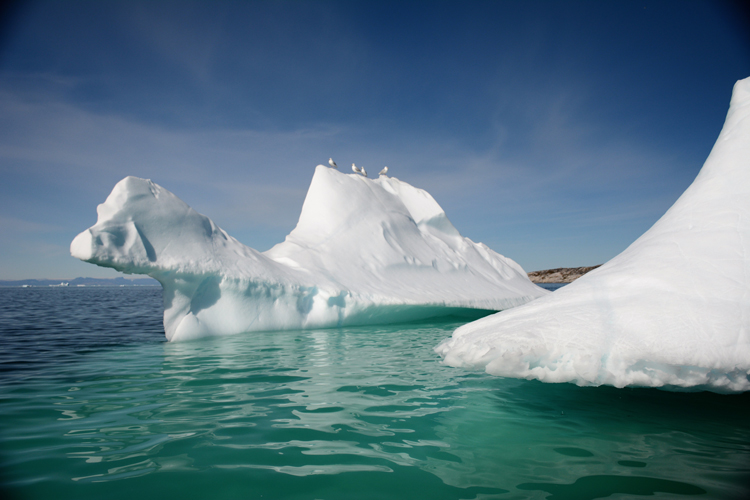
<point x="671" y="311"/>
<point x="365" y="251"/>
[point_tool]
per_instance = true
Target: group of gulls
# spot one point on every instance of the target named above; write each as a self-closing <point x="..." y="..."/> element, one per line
<point x="356" y="169"/>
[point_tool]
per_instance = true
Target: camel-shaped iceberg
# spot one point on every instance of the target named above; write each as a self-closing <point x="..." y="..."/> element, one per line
<point x="365" y="251"/>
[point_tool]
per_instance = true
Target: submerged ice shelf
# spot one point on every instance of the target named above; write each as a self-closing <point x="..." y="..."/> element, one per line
<point x="364" y="251"/>
<point x="672" y="310"/>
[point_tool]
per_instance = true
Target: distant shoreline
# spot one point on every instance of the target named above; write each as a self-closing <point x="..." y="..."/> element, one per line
<point x="79" y="282"/>
<point x="560" y="275"/>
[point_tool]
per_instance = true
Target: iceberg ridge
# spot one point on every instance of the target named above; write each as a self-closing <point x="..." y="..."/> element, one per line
<point x="672" y="310"/>
<point x="364" y="251"/>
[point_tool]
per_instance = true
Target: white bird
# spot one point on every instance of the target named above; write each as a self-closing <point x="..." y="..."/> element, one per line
<point x="363" y="171"/>
<point x="332" y="163"/>
<point x="356" y="169"/>
<point x="384" y="171"/>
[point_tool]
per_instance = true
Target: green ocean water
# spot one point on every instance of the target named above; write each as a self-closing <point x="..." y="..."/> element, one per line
<point x="94" y="405"/>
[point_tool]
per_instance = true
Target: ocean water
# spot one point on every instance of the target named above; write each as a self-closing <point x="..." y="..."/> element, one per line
<point x="95" y="405"/>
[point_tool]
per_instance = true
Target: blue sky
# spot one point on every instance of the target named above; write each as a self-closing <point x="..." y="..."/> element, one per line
<point x="554" y="132"/>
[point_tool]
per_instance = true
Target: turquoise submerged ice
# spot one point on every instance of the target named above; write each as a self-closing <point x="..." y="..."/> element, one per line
<point x="365" y="251"/>
<point x="672" y="310"/>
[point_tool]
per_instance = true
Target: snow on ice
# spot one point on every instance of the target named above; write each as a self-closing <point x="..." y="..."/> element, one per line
<point x="365" y="251"/>
<point x="672" y="310"/>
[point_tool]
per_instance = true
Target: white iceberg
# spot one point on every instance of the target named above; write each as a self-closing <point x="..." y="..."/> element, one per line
<point x="672" y="310"/>
<point x="364" y="251"/>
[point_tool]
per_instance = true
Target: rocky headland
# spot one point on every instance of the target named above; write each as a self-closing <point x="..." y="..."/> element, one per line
<point x="560" y="275"/>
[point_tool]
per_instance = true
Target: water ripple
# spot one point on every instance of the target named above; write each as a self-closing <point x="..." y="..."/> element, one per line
<point x="344" y="413"/>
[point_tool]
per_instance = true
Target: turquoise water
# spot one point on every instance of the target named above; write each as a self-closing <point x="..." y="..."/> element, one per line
<point x="95" y="405"/>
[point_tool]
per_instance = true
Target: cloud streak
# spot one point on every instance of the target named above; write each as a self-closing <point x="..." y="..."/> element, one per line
<point x="253" y="182"/>
<point x="528" y="123"/>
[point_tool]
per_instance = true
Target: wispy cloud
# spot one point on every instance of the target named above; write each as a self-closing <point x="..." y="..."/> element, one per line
<point x="253" y="181"/>
<point x="10" y="226"/>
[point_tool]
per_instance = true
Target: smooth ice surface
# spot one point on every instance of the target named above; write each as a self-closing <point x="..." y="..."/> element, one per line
<point x="672" y="310"/>
<point x="364" y="251"/>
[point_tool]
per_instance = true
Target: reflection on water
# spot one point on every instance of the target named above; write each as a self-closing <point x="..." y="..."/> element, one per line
<point x="364" y="412"/>
<point x="590" y="487"/>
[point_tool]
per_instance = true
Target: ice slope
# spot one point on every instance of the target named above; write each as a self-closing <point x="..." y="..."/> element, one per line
<point x="672" y="310"/>
<point x="364" y="251"/>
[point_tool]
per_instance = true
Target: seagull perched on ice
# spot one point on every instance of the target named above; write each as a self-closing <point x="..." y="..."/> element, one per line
<point x="332" y="163"/>
<point x="384" y="171"/>
<point x="358" y="170"/>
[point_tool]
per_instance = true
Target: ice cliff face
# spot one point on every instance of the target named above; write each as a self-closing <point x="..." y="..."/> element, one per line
<point x="672" y="310"/>
<point x="364" y="251"/>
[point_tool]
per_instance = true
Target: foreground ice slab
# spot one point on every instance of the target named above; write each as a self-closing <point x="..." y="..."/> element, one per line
<point x="672" y="310"/>
<point x="364" y="251"/>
